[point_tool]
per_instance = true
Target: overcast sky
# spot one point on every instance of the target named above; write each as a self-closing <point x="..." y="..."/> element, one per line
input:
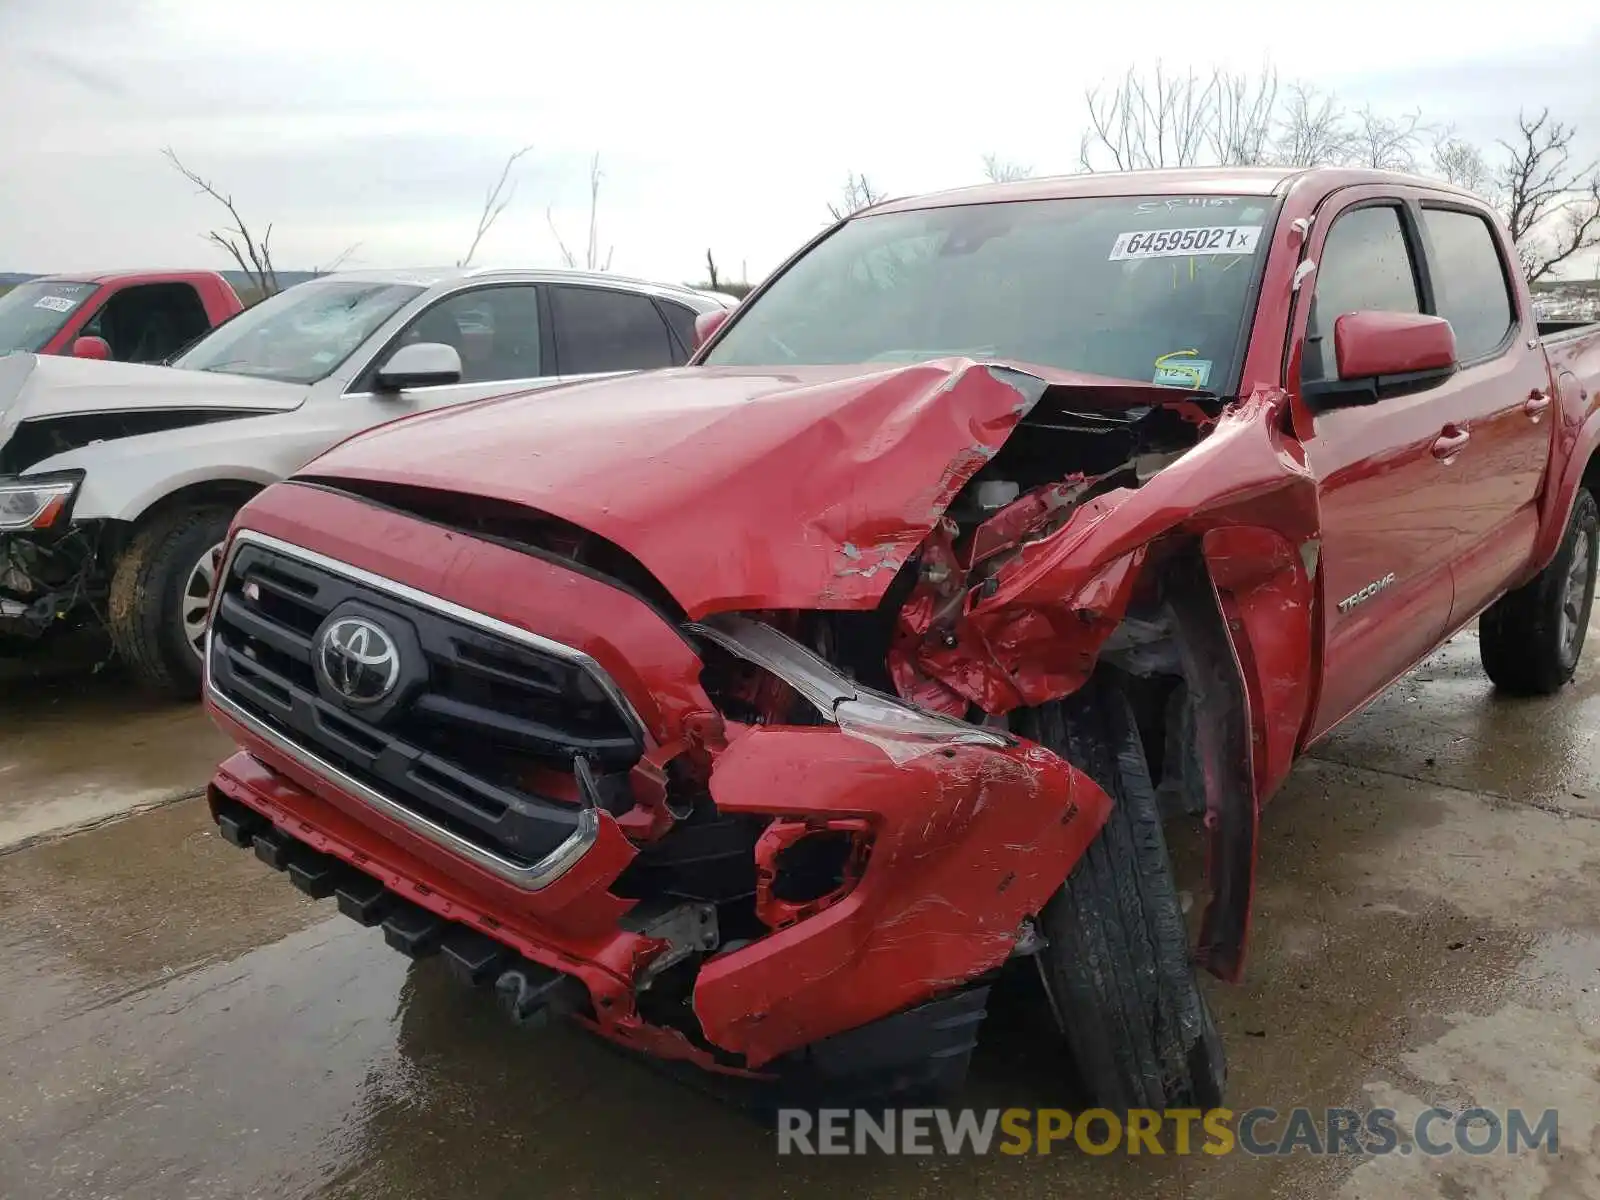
<point x="721" y="125"/>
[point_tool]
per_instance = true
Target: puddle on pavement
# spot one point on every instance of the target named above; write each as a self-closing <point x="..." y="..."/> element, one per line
<point x="74" y="750"/>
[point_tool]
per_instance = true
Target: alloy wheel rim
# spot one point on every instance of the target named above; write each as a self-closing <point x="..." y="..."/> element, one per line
<point x="1575" y="593"/>
<point x="197" y="595"/>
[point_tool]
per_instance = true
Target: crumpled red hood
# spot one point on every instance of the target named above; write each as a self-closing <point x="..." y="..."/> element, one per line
<point x="736" y="488"/>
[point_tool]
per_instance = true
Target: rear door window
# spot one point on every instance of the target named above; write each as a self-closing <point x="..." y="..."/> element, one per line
<point x="681" y="320"/>
<point x="598" y="330"/>
<point x="1470" y="286"/>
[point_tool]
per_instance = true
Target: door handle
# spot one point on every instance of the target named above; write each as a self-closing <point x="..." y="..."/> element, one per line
<point x="1536" y="403"/>
<point x="1448" y="443"/>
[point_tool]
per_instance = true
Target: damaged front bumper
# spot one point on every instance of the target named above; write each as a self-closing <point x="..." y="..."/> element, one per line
<point x="894" y="856"/>
<point x="47" y="564"/>
<point x="960" y="848"/>
<point x="44" y="580"/>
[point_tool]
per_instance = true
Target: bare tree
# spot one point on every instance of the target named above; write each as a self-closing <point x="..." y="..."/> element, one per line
<point x="1148" y="120"/>
<point x="1540" y="188"/>
<point x="1459" y="162"/>
<point x="1155" y="118"/>
<point x="591" y="255"/>
<point x="253" y="255"/>
<point x="857" y="193"/>
<point x="1388" y="143"/>
<point x="716" y="283"/>
<point x="1239" y="125"/>
<point x="1312" y="129"/>
<point x="495" y="201"/>
<point x="1000" y="170"/>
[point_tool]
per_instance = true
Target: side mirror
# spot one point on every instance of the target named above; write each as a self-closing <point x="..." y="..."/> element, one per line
<point x="1393" y="348"/>
<point x="92" y="347"/>
<point x="421" y="364"/>
<point x="708" y="323"/>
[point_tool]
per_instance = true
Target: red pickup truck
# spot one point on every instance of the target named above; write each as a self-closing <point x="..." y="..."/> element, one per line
<point x="763" y="713"/>
<point x="125" y="316"/>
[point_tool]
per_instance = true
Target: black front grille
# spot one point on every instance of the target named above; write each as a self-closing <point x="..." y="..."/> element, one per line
<point x="474" y="717"/>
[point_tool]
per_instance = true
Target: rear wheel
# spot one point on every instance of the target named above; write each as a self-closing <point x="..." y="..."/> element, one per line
<point x="1530" y="640"/>
<point x="161" y="592"/>
<point x="1117" y="964"/>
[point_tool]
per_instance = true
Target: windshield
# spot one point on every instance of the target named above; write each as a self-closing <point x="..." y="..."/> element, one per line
<point x="31" y="313"/>
<point x="1151" y="288"/>
<point x="300" y="335"/>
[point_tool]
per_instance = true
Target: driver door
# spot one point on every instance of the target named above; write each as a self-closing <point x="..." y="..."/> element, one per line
<point x="1388" y="532"/>
<point x="497" y="332"/>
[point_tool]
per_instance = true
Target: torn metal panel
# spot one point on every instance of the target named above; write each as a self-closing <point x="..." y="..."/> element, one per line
<point x="1220" y="704"/>
<point x="1031" y="630"/>
<point x="1268" y="597"/>
<point x="965" y="843"/>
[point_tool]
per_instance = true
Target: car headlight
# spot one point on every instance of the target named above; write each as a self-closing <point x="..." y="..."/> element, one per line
<point x="34" y="503"/>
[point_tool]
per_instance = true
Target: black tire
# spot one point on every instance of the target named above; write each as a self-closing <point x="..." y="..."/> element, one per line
<point x="148" y="597"/>
<point x="1524" y="643"/>
<point x="1117" y="963"/>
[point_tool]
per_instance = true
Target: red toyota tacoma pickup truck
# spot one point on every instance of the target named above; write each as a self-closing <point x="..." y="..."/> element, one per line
<point x="124" y="316"/>
<point x="763" y="712"/>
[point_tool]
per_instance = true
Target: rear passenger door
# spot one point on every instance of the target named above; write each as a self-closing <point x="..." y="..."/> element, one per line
<point x="1498" y="397"/>
<point x="1388" y="531"/>
<point x="600" y="331"/>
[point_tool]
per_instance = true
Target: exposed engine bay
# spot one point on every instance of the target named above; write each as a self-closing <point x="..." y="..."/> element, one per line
<point x="1018" y="499"/>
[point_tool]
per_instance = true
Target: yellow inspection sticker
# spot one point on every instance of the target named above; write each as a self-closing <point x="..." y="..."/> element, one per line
<point x="1182" y="369"/>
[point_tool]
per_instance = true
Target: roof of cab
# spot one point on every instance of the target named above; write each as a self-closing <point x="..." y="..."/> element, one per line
<point x="118" y="276"/>
<point x="1189" y="181"/>
<point x="443" y="276"/>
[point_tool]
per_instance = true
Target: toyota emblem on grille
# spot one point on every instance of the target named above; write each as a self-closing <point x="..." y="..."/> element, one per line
<point x="359" y="660"/>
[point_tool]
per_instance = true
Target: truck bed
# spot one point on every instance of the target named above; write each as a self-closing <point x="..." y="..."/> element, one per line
<point x="1557" y="331"/>
<point x="1574" y="346"/>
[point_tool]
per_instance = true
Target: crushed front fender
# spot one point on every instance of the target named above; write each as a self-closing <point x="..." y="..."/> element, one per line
<point x="966" y="842"/>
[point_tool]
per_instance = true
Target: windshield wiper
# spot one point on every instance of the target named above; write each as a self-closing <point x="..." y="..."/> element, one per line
<point x="232" y="362"/>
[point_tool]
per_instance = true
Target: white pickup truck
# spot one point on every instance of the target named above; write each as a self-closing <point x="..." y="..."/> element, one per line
<point x="118" y="481"/>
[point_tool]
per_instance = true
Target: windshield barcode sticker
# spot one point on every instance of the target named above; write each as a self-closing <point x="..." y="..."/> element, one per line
<point x="1176" y="243"/>
<point x="55" y="303"/>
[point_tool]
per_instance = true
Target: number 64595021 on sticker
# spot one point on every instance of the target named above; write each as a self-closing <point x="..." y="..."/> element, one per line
<point x="1173" y="243"/>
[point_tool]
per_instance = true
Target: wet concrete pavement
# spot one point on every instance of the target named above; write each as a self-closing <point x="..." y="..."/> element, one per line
<point x="77" y="748"/>
<point x="176" y="1021"/>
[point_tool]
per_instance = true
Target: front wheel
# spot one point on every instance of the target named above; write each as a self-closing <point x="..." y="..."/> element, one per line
<point x="1116" y="964"/>
<point x="1530" y="640"/>
<point x="161" y="592"/>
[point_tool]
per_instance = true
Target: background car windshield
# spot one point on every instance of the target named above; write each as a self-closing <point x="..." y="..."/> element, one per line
<point x="299" y="335"/>
<point x="1152" y="288"/>
<point x="31" y="313"/>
